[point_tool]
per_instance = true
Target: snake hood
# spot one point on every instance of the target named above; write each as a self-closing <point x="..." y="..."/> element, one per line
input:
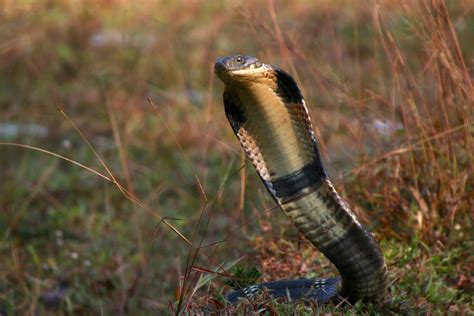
<point x="268" y="115"/>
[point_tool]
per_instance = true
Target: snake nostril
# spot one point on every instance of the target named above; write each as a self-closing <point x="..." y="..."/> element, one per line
<point x="220" y="66"/>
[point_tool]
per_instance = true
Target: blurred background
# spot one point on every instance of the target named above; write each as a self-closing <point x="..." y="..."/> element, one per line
<point x="153" y="205"/>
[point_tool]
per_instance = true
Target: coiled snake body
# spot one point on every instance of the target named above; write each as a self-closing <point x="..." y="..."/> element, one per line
<point x="269" y="117"/>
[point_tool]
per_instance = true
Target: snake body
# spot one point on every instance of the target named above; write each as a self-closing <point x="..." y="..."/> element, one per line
<point x="268" y="114"/>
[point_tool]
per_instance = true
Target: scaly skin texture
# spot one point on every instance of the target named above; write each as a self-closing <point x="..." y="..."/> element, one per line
<point x="269" y="117"/>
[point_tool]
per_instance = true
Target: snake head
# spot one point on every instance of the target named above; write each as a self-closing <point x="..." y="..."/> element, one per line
<point x="235" y="67"/>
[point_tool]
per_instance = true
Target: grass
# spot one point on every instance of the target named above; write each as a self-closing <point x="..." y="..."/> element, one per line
<point x="169" y="209"/>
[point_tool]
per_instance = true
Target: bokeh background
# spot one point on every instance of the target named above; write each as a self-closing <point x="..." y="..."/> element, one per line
<point x="152" y="205"/>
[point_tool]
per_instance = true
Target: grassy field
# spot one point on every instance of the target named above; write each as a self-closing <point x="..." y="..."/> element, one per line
<point x="124" y="191"/>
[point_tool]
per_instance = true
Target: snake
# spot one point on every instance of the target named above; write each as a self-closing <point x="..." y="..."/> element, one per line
<point x="268" y="114"/>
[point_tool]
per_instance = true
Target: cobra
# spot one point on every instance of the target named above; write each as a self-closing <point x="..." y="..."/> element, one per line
<point x="268" y="115"/>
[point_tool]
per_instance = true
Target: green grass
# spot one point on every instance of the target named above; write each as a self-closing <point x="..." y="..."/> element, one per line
<point x="74" y="242"/>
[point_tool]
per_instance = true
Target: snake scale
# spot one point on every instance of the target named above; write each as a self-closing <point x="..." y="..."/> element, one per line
<point x="269" y="117"/>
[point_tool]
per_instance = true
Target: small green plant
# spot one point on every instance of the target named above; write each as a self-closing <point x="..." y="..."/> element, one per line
<point x="243" y="277"/>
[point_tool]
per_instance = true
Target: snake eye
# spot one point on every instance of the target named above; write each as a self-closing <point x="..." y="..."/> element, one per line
<point x="239" y="60"/>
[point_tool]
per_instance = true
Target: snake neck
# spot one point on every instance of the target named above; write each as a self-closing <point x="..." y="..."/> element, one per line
<point x="279" y="140"/>
<point x="326" y="221"/>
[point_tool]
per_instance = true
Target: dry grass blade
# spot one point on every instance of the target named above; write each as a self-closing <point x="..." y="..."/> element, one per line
<point x="178" y="144"/>
<point x="129" y="195"/>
